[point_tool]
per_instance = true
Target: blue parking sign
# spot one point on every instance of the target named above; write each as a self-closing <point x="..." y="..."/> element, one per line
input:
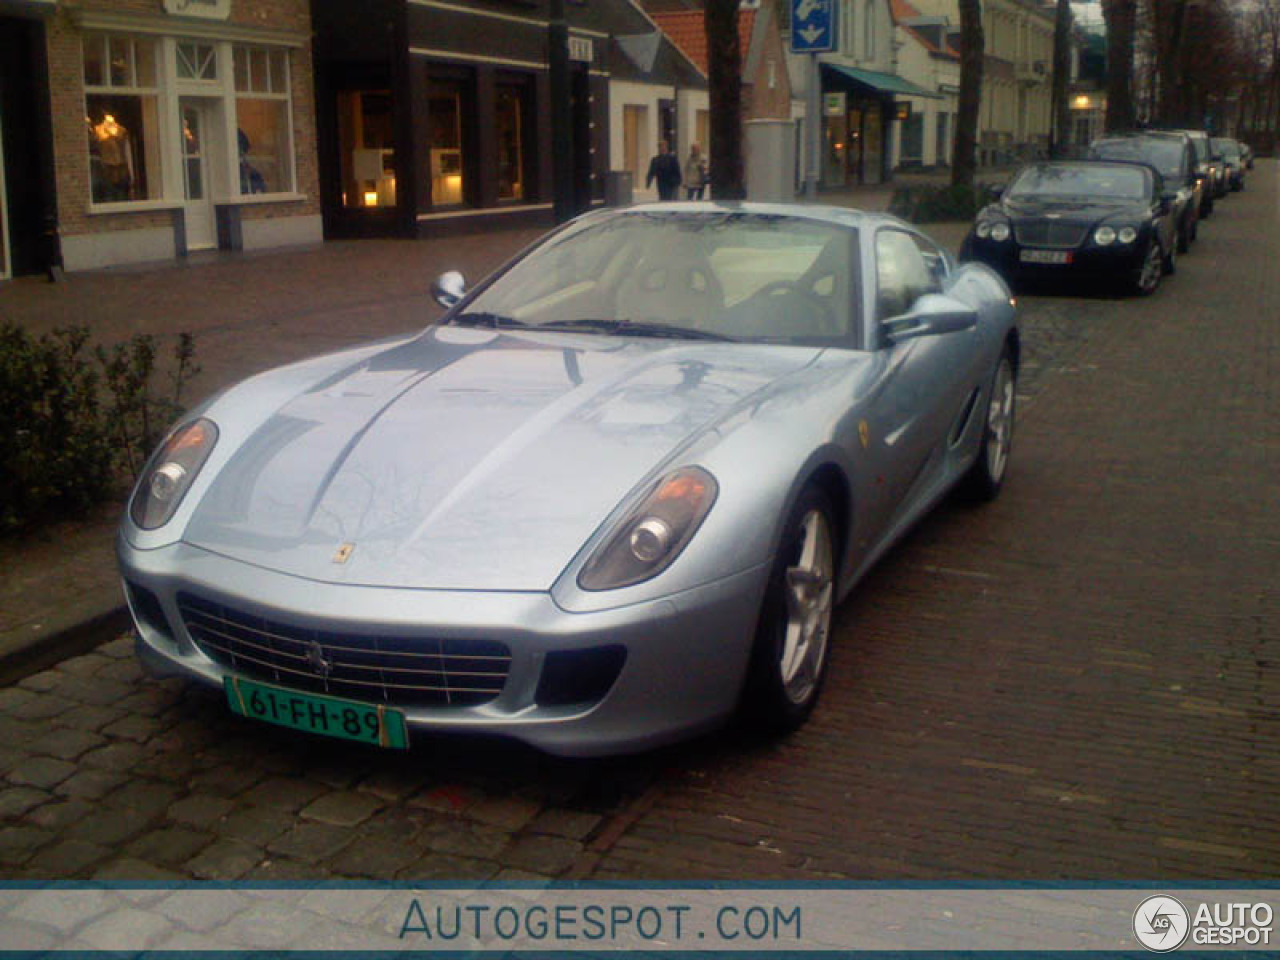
<point x="813" y="26"/>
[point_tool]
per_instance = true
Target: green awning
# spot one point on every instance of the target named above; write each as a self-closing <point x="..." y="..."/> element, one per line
<point x="879" y="82"/>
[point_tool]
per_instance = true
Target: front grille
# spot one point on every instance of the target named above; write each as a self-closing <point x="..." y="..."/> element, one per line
<point x="397" y="670"/>
<point x="1050" y="233"/>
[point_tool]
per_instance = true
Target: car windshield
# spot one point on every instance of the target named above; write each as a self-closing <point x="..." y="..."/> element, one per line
<point x="1228" y="148"/>
<point x="1165" y="155"/>
<point x="705" y="274"/>
<point x="1079" y="180"/>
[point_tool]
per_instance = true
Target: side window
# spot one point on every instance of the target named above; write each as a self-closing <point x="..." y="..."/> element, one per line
<point x="907" y="268"/>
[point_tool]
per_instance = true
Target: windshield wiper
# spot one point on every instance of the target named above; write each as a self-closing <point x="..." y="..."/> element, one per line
<point x="481" y="319"/>
<point x="631" y="328"/>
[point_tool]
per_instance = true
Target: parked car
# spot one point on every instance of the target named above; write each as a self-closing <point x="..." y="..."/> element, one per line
<point x="611" y="497"/>
<point x="1208" y="170"/>
<point x="1229" y="150"/>
<point x="1108" y="221"/>
<point x="1174" y="156"/>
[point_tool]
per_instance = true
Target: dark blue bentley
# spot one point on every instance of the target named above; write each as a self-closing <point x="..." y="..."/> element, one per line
<point x="1109" y="221"/>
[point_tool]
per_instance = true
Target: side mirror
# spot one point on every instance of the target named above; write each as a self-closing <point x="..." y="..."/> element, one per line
<point x="995" y="191"/>
<point x="1164" y="206"/>
<point x="449" y="288"/>
<point x="931" y="315"/>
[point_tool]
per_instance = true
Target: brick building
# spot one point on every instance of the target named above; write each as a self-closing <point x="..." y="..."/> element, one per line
<point x="176" y="125"/>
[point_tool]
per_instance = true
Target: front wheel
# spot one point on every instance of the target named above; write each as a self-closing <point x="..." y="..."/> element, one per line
<point x="789" y="657"/>
<point x="1147" y="278"/>
<point x="986" y="477"/>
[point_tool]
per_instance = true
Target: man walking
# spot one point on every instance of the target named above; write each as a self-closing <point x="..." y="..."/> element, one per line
<point x="664" y="168"/>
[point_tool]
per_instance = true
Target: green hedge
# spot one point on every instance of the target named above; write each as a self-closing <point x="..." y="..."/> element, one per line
<point x="76" y="425"/>
<point x="930" y="203"/>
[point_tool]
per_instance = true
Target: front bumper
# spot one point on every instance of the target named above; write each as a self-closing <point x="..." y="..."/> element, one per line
<point x="1113" y="262"/>
<point x="686" y="654"/>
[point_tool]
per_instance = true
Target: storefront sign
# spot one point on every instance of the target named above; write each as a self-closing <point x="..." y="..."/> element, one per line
<point x="204" y="9"/>
<point x="580" y="49"/>
<point x="833" y="104"/>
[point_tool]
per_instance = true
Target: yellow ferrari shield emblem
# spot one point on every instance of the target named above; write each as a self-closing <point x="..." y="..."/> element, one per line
<point x="344" y="553"/>
<point x="864" y="433"/>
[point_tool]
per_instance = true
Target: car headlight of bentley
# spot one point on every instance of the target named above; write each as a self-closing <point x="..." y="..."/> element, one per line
<point x="1127" y="234"/>
<point x="171" y="472"/>
<point x="653" y="534"/>
<point x="1000" y="232"/>
<point x="1104" y="236"/>
<point x="983" y="230"/>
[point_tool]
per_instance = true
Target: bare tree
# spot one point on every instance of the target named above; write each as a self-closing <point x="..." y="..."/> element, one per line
<point x="1120" y="16"/>
<point x="1061" y="79"/>
<point x="972" y="51"/>
<point x="724" y="70"/>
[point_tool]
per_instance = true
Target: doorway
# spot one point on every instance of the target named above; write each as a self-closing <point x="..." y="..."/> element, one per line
<point x="201" y="228"/>
<point x="635" y="135"/>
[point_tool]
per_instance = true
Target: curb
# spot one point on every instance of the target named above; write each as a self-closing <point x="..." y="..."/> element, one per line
<point x="92" y="624"/>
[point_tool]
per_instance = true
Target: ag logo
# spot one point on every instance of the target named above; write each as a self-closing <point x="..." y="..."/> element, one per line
<point x="1161" y="924"/>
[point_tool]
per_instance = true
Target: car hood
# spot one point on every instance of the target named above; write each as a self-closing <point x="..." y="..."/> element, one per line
<point x="469" y="459"/>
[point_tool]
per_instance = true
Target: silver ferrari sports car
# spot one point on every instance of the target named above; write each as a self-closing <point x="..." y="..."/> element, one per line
<point x="608" y="500"/>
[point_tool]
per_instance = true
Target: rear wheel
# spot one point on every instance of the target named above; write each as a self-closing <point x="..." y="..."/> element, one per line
<point x="1171" y="257"/>
<point x="789" y="658"/>
<point x="1186" y="233"/>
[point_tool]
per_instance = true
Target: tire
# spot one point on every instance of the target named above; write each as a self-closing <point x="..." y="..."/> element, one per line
<point x="985" y="479"/>
<point x="1206" y="208"/>
<point x="1170" y="263"/>
<point x="1146" y="279"/>
<point x="792" y="643"/>
<point x="1185" y="235"/>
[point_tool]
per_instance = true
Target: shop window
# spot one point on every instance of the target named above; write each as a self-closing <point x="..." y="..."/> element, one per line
<point x="122" y="117"/>
<point x="509" y="113"/>
<point x="445" y="111"/>
<point x="366" y="144"/>
<point x="263" y="120"/>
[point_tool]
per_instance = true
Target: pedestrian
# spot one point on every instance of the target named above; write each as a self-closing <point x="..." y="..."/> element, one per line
<point x="664" y="168"/>
<point x="695" y="173"/>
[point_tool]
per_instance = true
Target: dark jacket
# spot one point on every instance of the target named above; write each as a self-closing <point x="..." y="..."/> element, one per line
<point x="664" y="168"/>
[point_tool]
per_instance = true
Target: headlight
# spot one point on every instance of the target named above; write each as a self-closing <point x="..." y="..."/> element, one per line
<point x="1104" y="236"/>
<point x="654" y="533"/>
<point x="1127" y="234"/>
<point x="1000" y="232"/>
<point x="983" y="230"/>
<point x="170" y="473"/>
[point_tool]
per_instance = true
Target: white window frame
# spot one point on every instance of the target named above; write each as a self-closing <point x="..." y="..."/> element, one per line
<point x="166" y="200"/>
<point x="285" y="96"/>
<point x="168" y="90"/>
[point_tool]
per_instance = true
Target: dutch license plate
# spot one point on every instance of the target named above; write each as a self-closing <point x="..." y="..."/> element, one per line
<point x="1046" y="256"/>
<point x="329" y="716"/>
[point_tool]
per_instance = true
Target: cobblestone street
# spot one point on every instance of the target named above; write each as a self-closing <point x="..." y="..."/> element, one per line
<point x="1078" y="682"/>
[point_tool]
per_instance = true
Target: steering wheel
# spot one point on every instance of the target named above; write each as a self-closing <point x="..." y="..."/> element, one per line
<point x="783" y="288"/>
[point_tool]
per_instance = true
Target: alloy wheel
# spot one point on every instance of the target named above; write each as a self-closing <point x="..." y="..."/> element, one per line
<point x="810" y="586"/>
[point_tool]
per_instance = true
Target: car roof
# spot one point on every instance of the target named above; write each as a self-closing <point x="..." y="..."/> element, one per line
<point x="1143" y="135"/>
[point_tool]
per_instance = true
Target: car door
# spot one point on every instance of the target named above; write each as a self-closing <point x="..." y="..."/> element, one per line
<point x="921" y="385"/>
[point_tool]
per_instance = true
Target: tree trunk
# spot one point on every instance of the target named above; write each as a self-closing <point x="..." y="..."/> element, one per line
<point x="1061" y="80"/>
<point x="1120" y="16"/>
<point x="972" y="50"/>
<point x="724" y="77"/>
